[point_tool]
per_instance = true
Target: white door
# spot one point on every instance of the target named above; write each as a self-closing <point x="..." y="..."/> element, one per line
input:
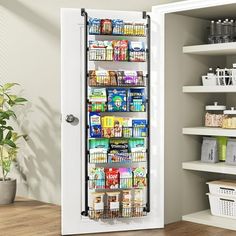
<point x="73" y="127"/>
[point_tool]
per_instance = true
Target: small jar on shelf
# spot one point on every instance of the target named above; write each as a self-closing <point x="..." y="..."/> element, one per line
<point x="214" y="115"/>
<point x="229" y="121"/>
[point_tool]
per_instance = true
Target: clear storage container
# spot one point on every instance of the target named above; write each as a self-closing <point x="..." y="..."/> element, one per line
<point x="214" y="115"/>
<point x="229" y="121"/>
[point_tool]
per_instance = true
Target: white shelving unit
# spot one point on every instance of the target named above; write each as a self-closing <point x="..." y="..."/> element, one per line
<point x="205" y="217"/>
<point x="181" y="67"/>
<point x="209" y="131"/>
<point x="211" y="49"/>
<point x="220" y="167"/>
<point x="209" y="89"/>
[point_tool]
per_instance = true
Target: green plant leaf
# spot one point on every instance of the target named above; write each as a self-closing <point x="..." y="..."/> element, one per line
<point x="19" y="100"/>
<point x="11" y="113"/>
<point x="8" y="85"/>
<point x="9" y="135"/>
<point x="3" y="122"/>
<point x="1" y="135"/>
<point x="4" y="115"/>
<point x="7" y="127"/>
<point x="10" y="143"/>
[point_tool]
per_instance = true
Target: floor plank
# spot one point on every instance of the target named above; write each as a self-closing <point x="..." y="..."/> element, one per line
<point x="33" y="218"/>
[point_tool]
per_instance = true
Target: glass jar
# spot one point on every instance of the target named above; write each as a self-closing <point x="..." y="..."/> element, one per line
<point x="214" y="115"/>
<point x="229" y="121"/>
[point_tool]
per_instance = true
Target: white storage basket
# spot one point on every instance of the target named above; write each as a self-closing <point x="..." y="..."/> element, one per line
<point x="223" y="187"/>
<point x="222" y="206"/>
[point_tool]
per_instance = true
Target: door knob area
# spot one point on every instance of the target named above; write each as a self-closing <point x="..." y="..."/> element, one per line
<point x="70" y="118"/>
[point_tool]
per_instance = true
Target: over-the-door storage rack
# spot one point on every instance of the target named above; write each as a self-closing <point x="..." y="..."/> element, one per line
<point x="146" y="209"/>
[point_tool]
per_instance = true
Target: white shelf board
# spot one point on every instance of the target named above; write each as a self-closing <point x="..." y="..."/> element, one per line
<point x="220" y="167"/>
<point x="208" y="131"/>
<point x="209" y="89"/>
<point x="211" y="49"/>
<point x="205" y="218"/>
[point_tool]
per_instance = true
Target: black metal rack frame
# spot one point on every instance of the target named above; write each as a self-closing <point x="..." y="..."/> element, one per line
<point x="86" y="210"/>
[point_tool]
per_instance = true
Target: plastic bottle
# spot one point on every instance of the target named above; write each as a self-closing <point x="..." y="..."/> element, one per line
<point x="222" y="144"/>
<point x="210" y="72"/>
<point x="211" y="36"/>
<point x="218" y="38"/>
<point x="226" y="31"/>
<point x="231" y="30"/>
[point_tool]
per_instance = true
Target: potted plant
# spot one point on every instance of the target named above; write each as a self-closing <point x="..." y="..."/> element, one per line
<point x="8" y="141"/>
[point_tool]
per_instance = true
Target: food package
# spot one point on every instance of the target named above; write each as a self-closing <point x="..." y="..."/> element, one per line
<point x="112" y="178"/>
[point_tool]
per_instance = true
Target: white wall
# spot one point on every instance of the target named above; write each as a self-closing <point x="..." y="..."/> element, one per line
<point x="30" y="55"/>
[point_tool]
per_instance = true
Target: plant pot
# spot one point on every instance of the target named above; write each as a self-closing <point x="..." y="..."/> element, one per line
<point x="7" y="191"/>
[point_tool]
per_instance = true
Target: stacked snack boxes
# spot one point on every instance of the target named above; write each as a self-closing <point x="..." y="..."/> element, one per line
<point x="115" y="27"/>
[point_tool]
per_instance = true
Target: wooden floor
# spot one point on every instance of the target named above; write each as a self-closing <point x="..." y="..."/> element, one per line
<point x="32" y="218"/>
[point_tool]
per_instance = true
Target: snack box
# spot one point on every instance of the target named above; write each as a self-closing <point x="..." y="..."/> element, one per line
<point x="94" y="26"/>
<point x="98" y="155"/>
<point x="113" y="202"/>
<point x="126" y="180"/>
<point x="97" y="178"/>
<point x="136" y="142"/>
<point x="97" y="95"/>
<point x="139" y="127"/>
<point x="119" y="157"/>
<point x="108" y="126"/>
<point x="126" y="196"/>
<point x="117" y="99"/>
<point x="95" y="125"/>
<point x="98" y="201"/>
<point x="112" y="178"/>
<point x="139" y="175"/>
<point x="137" y="100"/>
<point x="118" y="27"/>
<point x="106" y="26"/>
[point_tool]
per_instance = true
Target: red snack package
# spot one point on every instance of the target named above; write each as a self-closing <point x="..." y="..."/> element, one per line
<point x="112" y="178"/>
<point x="123" y="50"/>
<point x="106" y="26"/>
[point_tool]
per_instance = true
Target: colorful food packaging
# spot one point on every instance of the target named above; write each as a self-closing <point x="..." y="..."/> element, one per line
<point x="117" y="99"/>
<point x="97" y="107"/>
<point x="138" y="203"/>
<point x="108" y="126"/>
<point x="102" y="77"/>
<point x="113" y="204"/>
<point x="109" y="50"/>
<point x="98" y="155"/>
<point x="98" y="201"/>
<point x="98" y="150"/>
<point x="136" y="142"/>
<point x="126" y="180"/>
<point x="113" y="77"/>
<point x="112" y="178"/>
<point x="126" y="196"/>
<point x="137" y="51"/>
<point x="97" y="51"/>
<point x="97" y="178"/>
<point x="139" y="127"/>
<point x="138" y="196"/>
<point x="127" y="127"/>
<point x="138" y="154"/>
<point x="118" y="27"/>
<point x="128" y="28"/>
<point x="95" y="125"/>
<point x="118" y="126"/>
<point x="139" y="174"/>
<point x="120" y="48"/>
<point x="106" y="26"/>
<point x="97" y="205"/>
<point x="118" y="151"/>
<point x="92" y="78"/>
<point x="139" y="29"/>
<point x="137" y="100"/>
<point x="94" y="26"/>
<point x="97" y="95"/>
